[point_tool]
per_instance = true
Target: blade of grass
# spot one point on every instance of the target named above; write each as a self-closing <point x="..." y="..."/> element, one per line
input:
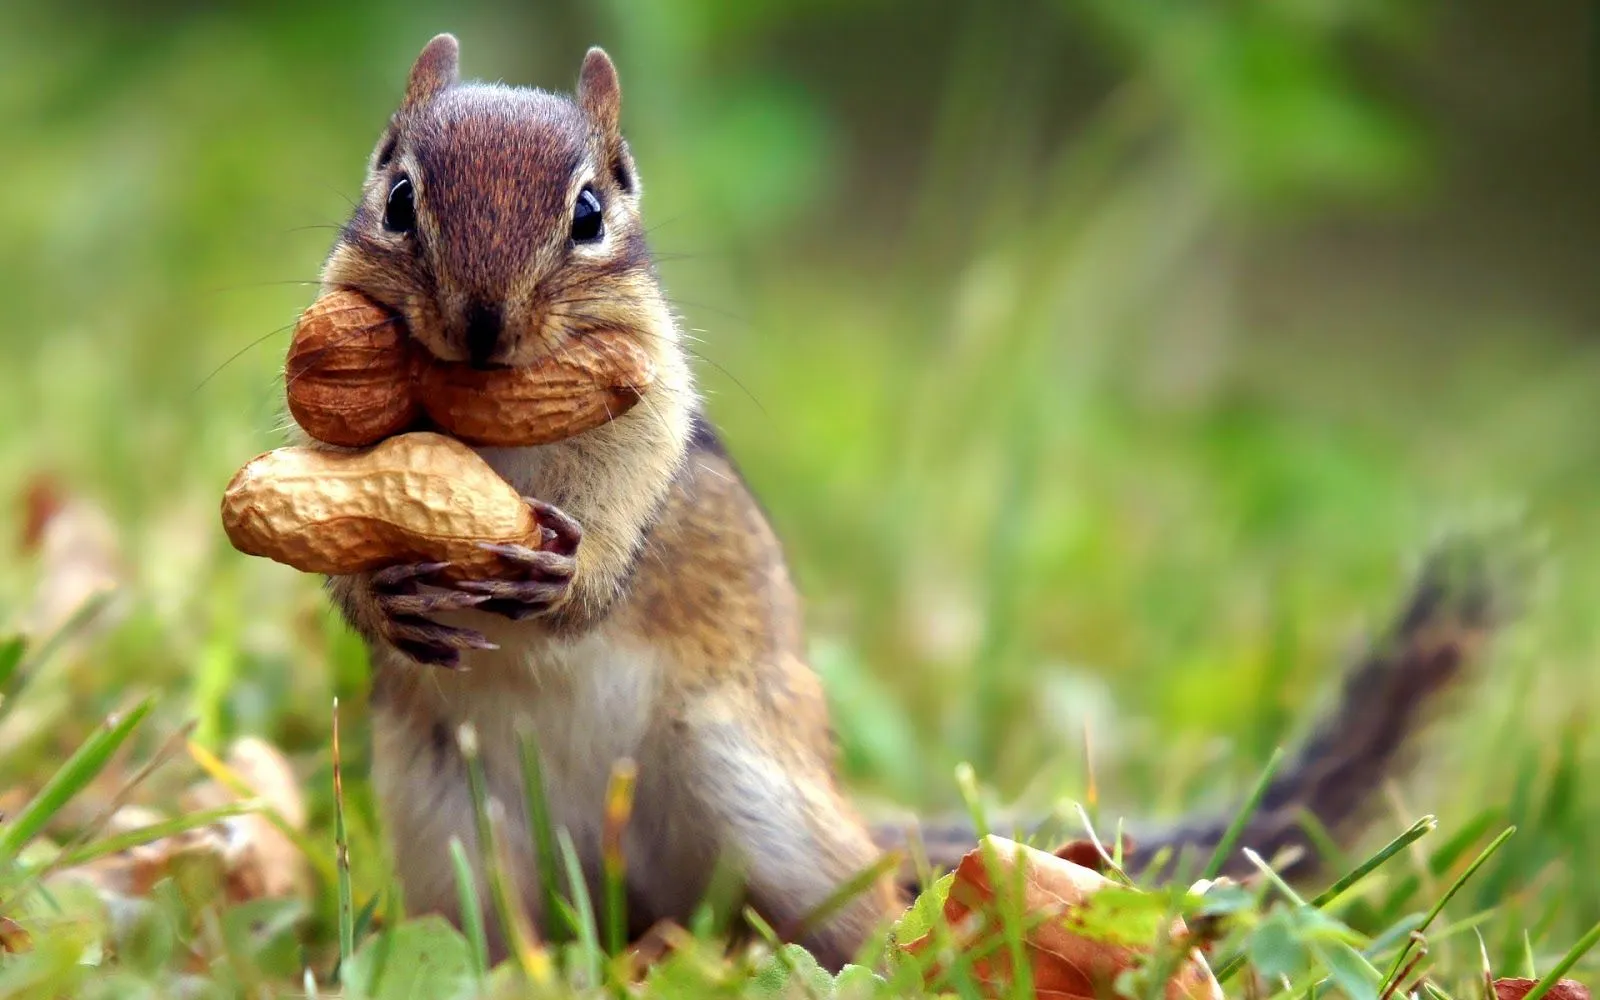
<point x="1578" y="950"/>
<point x="779" y="955"/>
<point x="514" y="926"/>
<point x="919" y="861"/>
<point x="1009" y="901"/>
<point x="849" y="889"/>
<point x="347" y="926"/>
<point x="1323" y="842"/>
<point x="1241" y="819"/>
<point x="146" y="834"/>
<point x="471" y="910"/>
<point x="1452" y="850"/>
<point x="1228" y="966"/>
<point x="366" y="916"/>
<point x="1113" y="864"/>
<point x="1417" y="959"/>
<point x="544" y="839"/>
<point x="519" y="932"/>
<point x="1231" y="965"/>
<point x="29" y="661"/>
<point x="967" y="784"/>
<point x="613" y="865"/>
<point x="1167" y="954"/>
<point x="582" y="907"/>
<point x="84" y="854"/>
<point x="382" y="949"/>
<point x="170" y="747"/>
<point x="1485" y="969"/>
<point x="1392" y="935"/>
<point x="1470" y="923"/>
<point x="1356" y="976"/>
<point x="1455" y="887"/>
<point x="1441" y="860"/>
<point x="71" y="778"/>
<point x="1421" y="828"/>
<point x="215" y="675"/>
<point x="10" y="659"/>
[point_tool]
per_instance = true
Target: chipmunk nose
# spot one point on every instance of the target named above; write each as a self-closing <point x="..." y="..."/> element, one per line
<point x="483" y="333"/>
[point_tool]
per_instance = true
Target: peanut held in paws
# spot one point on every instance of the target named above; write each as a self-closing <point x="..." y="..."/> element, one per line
<point x="354" y="377"/>
<point x="416" y="497"/>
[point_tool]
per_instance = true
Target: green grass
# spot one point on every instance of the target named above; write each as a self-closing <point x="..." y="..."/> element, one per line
<point x="1042" y="486"/>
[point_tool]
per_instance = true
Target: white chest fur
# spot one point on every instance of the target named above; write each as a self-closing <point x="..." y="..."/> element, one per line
<point x="586" y="704"/>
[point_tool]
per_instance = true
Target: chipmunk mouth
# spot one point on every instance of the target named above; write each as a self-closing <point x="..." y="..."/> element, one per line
<point x="492" y="336"/>
<point x="485" y="331"/>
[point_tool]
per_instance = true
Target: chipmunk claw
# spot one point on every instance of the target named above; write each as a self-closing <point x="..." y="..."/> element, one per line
<point x="392" y="577"/>
<point x="518" y="599"/>
<point x="562" y="532"/>
<point x="433" y="644"/>
<point x="543" y="581"/>
<point x="408" y="595"/>
<point x="537" y="579"/>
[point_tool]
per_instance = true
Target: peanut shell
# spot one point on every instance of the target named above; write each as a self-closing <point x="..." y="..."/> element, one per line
<point x="587" y="382"/>
<point x="354" y="377"/>
<point x="416" y="497"/>
<point x="349" y="376"/>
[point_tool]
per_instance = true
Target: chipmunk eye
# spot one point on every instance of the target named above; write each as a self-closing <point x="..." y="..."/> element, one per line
<point x="400" y="211"/>
<point x="586" y="218"/>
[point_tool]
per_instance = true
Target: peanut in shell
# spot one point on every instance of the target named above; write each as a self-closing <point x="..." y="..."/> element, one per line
<point x="353" y="377"/>
<point x="349" y="374"/>
<point x="588" y="382"/>
<point x="417" y="497"/>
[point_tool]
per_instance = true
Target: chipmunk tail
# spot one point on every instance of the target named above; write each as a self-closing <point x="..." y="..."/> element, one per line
<point x="1468" y="586"/>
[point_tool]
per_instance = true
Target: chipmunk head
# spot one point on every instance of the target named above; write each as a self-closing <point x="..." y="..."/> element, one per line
<point x="501" y="222"/>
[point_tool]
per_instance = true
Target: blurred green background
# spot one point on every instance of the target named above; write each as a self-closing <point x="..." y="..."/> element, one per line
<point x="1101" y="361"/>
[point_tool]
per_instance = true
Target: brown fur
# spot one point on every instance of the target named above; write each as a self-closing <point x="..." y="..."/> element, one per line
<point x="679" y="642"/>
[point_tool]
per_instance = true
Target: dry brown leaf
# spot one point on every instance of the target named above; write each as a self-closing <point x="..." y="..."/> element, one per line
<point x="1065" y="964"/>
<point x="1517" y="988"/>
<point x="245" y="855"/>
<point x="662" y="939"/>
<point x="12" y="800"/>
<point x="259" y="859"/>
<point x="79" y="550"/>
<point x="14" y="939"/>
<point x="1086" y="854"/>
<point x="135" y="871"/>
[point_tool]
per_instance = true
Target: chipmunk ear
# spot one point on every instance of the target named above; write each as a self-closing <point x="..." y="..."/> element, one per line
<point x="436" y="68"/>
<point x="599" y="92"/>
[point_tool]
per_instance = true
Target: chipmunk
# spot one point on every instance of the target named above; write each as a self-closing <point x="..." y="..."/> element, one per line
<point x="660" y="624"/>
